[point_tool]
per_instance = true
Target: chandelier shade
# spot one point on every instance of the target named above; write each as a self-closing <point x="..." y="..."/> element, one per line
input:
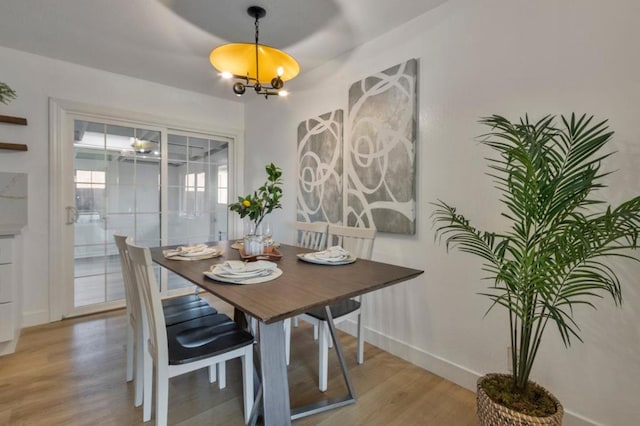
<point x="254" y="65"/>
<point x="239" y="59"/>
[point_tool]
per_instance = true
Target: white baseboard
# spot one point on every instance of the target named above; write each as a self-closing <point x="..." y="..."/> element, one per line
<point x="7" y="348"/>
<point x="453" y="372"/>
<point x="29" y="319"/>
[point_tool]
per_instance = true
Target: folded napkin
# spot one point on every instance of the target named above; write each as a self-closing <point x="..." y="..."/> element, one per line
<point x="240" y="268"/>
<point x="332" y="254"/>
<point x="197" y="251"/>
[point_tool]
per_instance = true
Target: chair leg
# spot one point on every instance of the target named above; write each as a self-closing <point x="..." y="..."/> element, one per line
<point x="247" y="380"/>
<point x="130" y="351"/>
<point x="213" y="373"/>
<point x="323" y="357"/>
<point x="360" y="339"/>
<point x="147" y="387"/>
<point x="138" y="369"/>
<point x="162" y="395"/>
<point x="222" y="375"/>
<point x="287" y="339"/>
<point x="315" y="331"/>
<point x="295" y="321"/>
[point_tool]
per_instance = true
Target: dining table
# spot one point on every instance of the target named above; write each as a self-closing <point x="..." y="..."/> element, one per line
<point x="301" y="287"/>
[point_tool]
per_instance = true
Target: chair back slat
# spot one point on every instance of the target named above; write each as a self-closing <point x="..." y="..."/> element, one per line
<point x="150" y="296"/>
<point x="132" y="299"/>
<point x="311" y="235"/>
<point x="358" y="241"/>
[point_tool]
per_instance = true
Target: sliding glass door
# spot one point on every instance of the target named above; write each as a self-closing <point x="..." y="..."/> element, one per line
<point x="197" y="182"/>
<point x="158" y="185"/>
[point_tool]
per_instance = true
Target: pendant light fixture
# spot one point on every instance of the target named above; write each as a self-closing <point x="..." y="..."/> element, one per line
<point x="254" y="65"/>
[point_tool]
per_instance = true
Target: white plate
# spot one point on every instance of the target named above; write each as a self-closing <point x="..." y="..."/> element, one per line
<point x="272" y="275"/>
<point x="308" y="257"/>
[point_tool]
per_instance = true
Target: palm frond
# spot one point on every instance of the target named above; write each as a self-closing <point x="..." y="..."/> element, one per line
<point x="554" y="256"/>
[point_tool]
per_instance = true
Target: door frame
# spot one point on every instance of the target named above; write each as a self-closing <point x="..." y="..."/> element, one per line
<point x="62" y="113"/>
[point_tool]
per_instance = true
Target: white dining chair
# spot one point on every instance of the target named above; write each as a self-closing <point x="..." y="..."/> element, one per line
<point x="134" y="319"/>
<point x="359" y="242"/>
<point x="311" y="235"/>
<point x="185" y="347"/>
<point x="176" y="310"/>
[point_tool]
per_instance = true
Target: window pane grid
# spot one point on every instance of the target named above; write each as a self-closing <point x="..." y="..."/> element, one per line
<point x="117" y="179"/>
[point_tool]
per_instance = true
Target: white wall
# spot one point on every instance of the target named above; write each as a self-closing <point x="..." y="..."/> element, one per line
<point x="35" y="79"/>
<point x="477" y="58"/>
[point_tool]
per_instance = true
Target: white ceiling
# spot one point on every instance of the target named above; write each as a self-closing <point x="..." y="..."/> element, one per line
<point x="168" y="41"/>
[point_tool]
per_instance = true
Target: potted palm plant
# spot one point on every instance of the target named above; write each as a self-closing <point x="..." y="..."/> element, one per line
<point x="553" y="255"/>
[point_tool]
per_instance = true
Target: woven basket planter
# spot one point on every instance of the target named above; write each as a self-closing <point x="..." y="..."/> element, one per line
<point x="493" y="414"/>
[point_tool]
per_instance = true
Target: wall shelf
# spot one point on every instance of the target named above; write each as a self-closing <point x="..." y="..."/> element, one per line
<point x="13" y="120"/>
<point x="13" y="146"/>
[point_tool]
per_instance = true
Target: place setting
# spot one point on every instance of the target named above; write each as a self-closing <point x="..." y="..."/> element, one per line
<point x="242" y="272"/>
<point x="335" y="255"/>
<point x="193" y="252"/>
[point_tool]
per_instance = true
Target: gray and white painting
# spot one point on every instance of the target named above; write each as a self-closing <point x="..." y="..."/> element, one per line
<point x="320" y="168"/>
<point x="380" y="153"/>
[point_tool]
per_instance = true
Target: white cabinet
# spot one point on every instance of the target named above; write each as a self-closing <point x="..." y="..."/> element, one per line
<point x="13" y="217"/>
<point x="7" y="318"/>
<point x="6" y="295"/>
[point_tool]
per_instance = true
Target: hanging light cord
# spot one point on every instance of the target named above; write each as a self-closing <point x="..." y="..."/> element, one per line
<point x="257" y="34"/>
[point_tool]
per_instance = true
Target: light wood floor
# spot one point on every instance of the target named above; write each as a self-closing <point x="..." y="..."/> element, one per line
<point x="72" y="373"/>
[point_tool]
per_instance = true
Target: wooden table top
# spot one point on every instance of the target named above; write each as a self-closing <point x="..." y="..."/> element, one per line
<point x="302" y="285"/>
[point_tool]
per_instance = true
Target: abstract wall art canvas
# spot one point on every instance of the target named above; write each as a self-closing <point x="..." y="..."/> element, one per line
<point x="380" y="152"/>
<point x="320" y="163"/>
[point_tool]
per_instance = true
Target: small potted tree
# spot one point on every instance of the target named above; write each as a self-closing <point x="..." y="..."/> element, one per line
<point x="257" y="206"/>
<point x="553" y="255"/>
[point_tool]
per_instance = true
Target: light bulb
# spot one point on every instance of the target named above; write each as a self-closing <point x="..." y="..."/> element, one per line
<point x="277" y="83"/>
<point x="280" y="71"/>
<point x="239" y="88"/>
<point x="226" y="75"/>
<point x="283" y="93"/>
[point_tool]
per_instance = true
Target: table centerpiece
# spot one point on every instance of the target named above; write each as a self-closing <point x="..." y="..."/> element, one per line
<point x="256" y="206"/>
